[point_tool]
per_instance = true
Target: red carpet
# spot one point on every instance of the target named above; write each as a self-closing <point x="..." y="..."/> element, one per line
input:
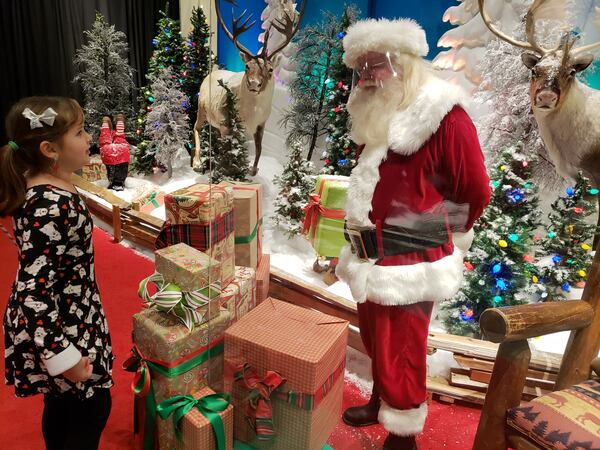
<point x="118" y="271"/>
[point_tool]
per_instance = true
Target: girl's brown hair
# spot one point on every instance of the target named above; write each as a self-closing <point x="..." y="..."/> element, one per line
<point x="27" y="160"/>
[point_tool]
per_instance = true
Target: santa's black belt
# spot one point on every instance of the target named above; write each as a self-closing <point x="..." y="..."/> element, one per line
<point x="396" y="240"/>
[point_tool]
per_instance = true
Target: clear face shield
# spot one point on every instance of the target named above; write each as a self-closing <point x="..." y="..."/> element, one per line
<point x="373" y="70"/>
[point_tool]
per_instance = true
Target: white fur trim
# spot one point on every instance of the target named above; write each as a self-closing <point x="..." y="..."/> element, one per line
<point x="63" y="361"/>
<point x="463" y="241"/>
<point x="403" y="422"/>
<point x="401" y="285"/>
<point x="413" y="126"/>
<point x="384" y="35"/>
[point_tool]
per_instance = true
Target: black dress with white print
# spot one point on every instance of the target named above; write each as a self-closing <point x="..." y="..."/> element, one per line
<point x="55" y="305"/>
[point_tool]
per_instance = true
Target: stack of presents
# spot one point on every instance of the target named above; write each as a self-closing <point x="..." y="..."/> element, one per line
<point x="214" y="358"/>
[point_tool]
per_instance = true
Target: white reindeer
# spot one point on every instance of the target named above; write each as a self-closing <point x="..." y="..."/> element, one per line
<point x="253" y="87"/>
<point x="567" y="111"/>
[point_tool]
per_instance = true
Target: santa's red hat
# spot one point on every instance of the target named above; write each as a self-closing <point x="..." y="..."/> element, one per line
<point x="384" y="35"/>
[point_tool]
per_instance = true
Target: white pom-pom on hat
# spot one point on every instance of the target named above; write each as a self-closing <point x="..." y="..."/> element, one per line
<point x="384" y="35"/>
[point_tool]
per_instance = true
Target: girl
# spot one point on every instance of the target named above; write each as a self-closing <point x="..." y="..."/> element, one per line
<point x="56" y="337"/>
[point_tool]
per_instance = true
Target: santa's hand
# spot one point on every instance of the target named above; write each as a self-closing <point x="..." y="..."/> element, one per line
<point x="80" y="371"/>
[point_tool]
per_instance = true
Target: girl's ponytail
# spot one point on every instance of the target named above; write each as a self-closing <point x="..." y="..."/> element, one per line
<point x="12" y="180"/>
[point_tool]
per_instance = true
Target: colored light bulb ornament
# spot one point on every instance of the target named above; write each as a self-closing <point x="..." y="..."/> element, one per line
<point x="501" y="284"/>
<point x="467" y="315"/>
<point x="502" y="243"/>
<point x="468" y="266"/>
<point x="496" y="268"/>
<point x="535" y="279"/>
<point x="581" y="273"/>
<point x="513" y="237"/>
<point x="566" y="287"/>
<point x="585" y="246"/>
<point x="593" y="191"/>
<point x="556" y="259"/>
<point x="497" y="299"/>
<point x="551" y="234"/>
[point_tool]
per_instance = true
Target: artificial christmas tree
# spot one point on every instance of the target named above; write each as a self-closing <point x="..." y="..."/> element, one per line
<point x="295" y="185"/>
<point x="230" y="152"/>
<point x="167" y="122"/>
<point x="104" y="74"/>
<point x="340" y="156"/>
<point x="198" y="60"/>
<point x="569" y="237"/>
<point x="168" y="53"/>
<point x="500" y="266"/>
<point x="319" y="48"/>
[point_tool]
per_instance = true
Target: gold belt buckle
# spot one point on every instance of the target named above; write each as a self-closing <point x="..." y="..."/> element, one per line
<point x="358" y="245"/>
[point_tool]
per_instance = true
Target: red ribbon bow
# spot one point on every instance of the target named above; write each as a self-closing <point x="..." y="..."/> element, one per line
<point x="137" y="363"/>
<point x="312" y="211"/>
<point x="259" y="412"/>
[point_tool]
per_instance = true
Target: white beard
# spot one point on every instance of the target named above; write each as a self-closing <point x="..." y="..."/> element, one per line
<point x="372" y="111"/>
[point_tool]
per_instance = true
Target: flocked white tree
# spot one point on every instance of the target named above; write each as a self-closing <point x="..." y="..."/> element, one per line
<point x="295" y="185"/>
<point x="468" y="42"/>
<point x="167" y="123"/>
<point x="104" y="74"/>
<point x="276" y="10"/>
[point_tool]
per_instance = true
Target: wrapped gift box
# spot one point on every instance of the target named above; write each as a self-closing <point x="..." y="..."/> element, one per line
<point x="187" y="267"/>
<point x="95" y="170"/>
<point x="149" y="201"/>
<point x="161" y="337"/>
<point x="239" y="297"/>
<point x="202" y="217"/>
<point x="196" y="430"/>
<point x="247" y="201"/>
<point x="324" y="220"/>
<point x="199" y="203"/>
<point x="307" y="349"/>
<point x="169" y="348"/>
<point x="263" y="274"/>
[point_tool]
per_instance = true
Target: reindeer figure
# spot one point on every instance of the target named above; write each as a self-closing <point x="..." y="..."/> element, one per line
<point x="253" y="87"/>
<point x="567" y="111"/>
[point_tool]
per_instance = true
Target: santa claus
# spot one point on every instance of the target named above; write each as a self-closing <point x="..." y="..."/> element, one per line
<point x="419" y="185"/>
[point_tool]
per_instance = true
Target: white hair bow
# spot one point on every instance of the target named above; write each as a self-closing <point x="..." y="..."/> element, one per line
<point x="36" y="119"/>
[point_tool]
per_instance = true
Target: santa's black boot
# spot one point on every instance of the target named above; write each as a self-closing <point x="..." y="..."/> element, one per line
<point x="362" y="416"/>
<point x="395" y="442"/>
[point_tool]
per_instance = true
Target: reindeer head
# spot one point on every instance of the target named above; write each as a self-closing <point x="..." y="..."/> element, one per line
<point x="552" y="70"/>
<point x="259" y="68"/>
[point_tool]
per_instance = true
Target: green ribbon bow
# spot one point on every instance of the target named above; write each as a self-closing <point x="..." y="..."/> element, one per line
<point x="171" y="299"/>
<point x="209" y="406"/>
<point x="152" y="199"/>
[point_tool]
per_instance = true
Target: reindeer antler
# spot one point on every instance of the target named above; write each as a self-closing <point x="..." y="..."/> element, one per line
<point x="287" y="28"/>
<point x="237" y="28"/>
<point x="531" y="43"/>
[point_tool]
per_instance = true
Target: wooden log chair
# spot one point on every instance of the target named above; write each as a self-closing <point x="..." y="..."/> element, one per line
<point x="568" y="417"/>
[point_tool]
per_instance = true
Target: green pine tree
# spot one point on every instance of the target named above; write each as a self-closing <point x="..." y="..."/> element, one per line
<point x="295" y="185"/>
<point x="569" y="237"/>
<point x="319" y="47"/>
<point x="500" y="266"/>
<point x="168" y="54"/>
<point x="198" y="60"/>
<point x="340" y="156"/>
<point x="231" y="154"/>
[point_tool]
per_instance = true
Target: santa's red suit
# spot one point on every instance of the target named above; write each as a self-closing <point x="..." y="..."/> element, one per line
<point x="432" y="163"/>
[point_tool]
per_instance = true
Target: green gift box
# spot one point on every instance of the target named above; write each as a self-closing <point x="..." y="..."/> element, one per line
<point x="324" y="220"/>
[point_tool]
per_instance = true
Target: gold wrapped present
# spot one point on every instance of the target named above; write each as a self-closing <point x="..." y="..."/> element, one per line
<point x="239" y="297"/>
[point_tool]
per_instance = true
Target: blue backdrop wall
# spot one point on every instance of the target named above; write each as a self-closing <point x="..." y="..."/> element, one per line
<point x="428" y="13"/>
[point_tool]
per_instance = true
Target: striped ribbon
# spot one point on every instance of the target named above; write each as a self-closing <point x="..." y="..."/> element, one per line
<point x="184" y="305"/>
<point x="259" y="412"/>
